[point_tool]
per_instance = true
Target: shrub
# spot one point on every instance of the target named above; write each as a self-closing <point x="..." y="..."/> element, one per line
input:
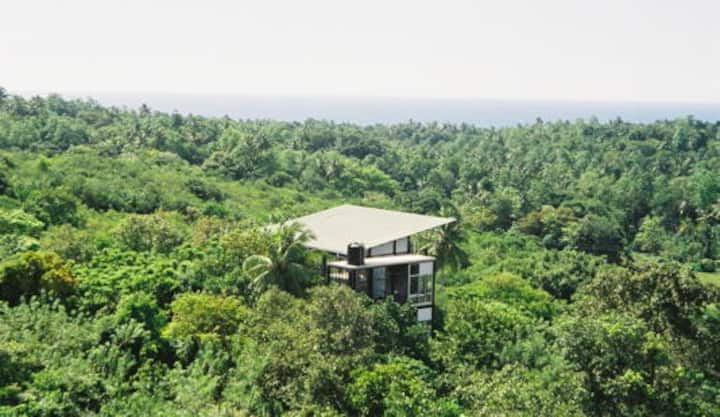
<point x="204" y="315"/>
<point x="478" y="332"/>
<point x="4" y="183"/>
<point x="53" y="206"/>
<point x="204" y="190"/>
<point x="149" y="233"/>
<point x="19" y="222"/>
<point x="596" y="235"/>
<point x="401" y="387"/>
<point x="30" y="273"/>
<point x="69" y="242"/>
<point x="509" y="289"/>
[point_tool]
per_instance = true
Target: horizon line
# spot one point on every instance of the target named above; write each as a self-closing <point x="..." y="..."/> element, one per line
<point x="92" y="95"/>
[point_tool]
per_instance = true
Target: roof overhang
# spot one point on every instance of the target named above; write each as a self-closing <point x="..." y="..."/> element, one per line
<point x="382" y="261"/>
<point x="335" y="228"/>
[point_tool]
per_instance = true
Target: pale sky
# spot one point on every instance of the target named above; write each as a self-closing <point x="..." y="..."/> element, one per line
<point x="654" y="50"/>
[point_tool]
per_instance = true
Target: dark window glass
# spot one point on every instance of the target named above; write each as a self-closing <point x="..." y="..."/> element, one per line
<point x="414" y="269"/>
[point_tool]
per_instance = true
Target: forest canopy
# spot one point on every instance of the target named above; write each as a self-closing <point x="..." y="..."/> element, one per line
<point x="137" y="279"/>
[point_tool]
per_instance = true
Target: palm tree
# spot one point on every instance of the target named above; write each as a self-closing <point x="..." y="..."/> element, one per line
<point x="444" y="242"/>
<point x="284" y="264"/>
<point x="706" y="222"/>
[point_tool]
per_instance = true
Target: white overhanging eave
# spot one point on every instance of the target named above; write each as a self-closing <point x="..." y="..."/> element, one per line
<point x="335" y="228"/>
<point x="382" y="261"/>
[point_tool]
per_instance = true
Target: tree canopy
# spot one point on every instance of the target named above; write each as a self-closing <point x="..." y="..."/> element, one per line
<point x="140" y="274"/>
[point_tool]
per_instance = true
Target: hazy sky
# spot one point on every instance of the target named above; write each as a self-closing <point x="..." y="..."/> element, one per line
<point x="514" y="49"/>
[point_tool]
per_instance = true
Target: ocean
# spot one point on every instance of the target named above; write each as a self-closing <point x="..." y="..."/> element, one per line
<point x="371" y="110"/>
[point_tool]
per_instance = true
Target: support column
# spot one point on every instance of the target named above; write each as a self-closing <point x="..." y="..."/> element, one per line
<point x="432" y="305"/>
<point x="352" y="277"/>
<point x="325" y="269"/>
<point x="369" y="274"/>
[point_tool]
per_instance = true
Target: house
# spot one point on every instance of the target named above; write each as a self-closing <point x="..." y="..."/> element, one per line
<point x="371" y="250"/>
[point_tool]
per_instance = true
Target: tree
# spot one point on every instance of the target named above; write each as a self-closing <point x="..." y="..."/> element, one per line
<point x="398" y="330"/>
<point x="204" y="316"/>
<point x="284" y="265"/>
<point x="477" y="332"/>
<point x="511" y="290"/>
<point x="548" y="223"/>
<point x="444" y="242"/>
<point x="652" y="237"/>
<point x="560" y="273"/>
<point x="55" y="206"/>
<point x="4" y="183"/>
<point x="47" y="348"/>
<point x="300" y="354"/>
<point x="204" y="190"/>
<point x="70" y="243"/>
<point x="627" y="367"/>
<point x="401" y="387"/>
<point x="666" y="296"/>
<point x="19" y="222"/>
<point x="29" y="273"/>
<point x="152" y="232"/>
<point x="517" y="391"/>
<point x="596" y="235"/>
<point x="241" y="155"/>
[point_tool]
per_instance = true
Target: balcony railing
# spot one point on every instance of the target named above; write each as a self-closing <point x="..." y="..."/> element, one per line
<point x="425" y="298"/>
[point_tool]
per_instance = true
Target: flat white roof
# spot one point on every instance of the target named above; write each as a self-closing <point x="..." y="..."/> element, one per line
<point x="379" y="261"/>
<point x="334" y="229"/>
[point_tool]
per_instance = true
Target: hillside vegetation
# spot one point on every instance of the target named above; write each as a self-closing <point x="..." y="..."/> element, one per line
<point x="136" y="279"/>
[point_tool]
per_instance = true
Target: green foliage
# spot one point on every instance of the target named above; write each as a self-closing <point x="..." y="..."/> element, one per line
<point x="12" y="244"/>
<point x="204" y="189"/>
<point x="596" y="235"/>
<point x="29" y="273"/>
<point x="481" y="219"/>
<point x="19" y="222"/>
<point x="50" y="377"/>
<point x="177" y="300"/>
<point x="666" y="296"/>
<point x="709" y="278"/>
<point x="477" y="333"/>
<point x="401" y="387"/>
<point x="55" y="206"/>
<point x="517" y="391"/>
<point x="560" y="273"/>
<point x="113" y="273"/>
<point x="153" y="232"/>
<point x="397" y="330"/>
<point x="223" y="248"/>
<point x="240" y="155"/>
<point x="142" y="308"/>
<point x="627" y="367"/>
<point x="69" y="242"/>
<point x="204" y="316"/>
<point x="652" y="237"/>
<point x="511" y="290"/>
<point x="285" y="264"/>
<point x="444" y="242"/>
<point x="548" y="223"/>
<point x="4" y="183"/>
<point x="305" y="352"/>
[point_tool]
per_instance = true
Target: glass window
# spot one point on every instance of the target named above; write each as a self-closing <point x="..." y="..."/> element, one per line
<point x="401" y="246"/>
<point x="420" y="283"/>
<point x="386" y="249"/>
<point x="361" y="281"/>
<point x="426" y="268"/>
<point x="379" y="283"/>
